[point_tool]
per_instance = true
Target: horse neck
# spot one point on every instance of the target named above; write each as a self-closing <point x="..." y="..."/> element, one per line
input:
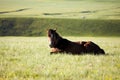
<point x="58" y="36"/>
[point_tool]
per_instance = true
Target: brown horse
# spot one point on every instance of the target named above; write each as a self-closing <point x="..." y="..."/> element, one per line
<point x="56" y="50"/>
<point x="59" y="44"/>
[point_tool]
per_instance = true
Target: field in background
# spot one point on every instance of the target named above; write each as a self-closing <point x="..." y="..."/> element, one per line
<point x="28" y="58"/>
<point x="66" y="27"/>
<point x="80" y="9"/>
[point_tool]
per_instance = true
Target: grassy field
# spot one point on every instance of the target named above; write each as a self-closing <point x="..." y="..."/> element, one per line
<point x="67" y="27"/>
<point x="80" y="9"/>
<point x="28" y="58"/>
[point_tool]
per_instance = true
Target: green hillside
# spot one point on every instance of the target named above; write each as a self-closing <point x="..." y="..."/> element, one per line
<point x="66" y="27"/>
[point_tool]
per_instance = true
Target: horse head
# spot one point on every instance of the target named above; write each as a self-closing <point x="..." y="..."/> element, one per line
<point x="53" y="37"/>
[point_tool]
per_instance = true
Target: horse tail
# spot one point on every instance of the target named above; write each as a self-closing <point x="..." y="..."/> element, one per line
<point x="101" y="51"/>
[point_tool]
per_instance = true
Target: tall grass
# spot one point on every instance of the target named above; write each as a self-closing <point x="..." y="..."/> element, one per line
<point x="28" y="58"/>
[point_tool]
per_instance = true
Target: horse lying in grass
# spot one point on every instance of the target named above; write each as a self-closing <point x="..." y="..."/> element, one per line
<point x="59" y="44"/>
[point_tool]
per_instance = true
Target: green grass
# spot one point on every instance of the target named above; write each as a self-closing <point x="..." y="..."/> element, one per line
<point x="90" y="9"/>
<point x="66" y="27"/>
<point x="28" y="58"/>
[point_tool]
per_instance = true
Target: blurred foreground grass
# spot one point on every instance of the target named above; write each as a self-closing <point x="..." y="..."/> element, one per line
<point x="28" y="58"/>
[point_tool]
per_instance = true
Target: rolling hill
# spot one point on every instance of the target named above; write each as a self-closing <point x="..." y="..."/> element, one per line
<point x="66" y="27"/>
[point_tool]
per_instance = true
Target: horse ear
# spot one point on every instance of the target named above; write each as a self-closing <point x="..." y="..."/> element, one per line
<point x="55" y="29"/>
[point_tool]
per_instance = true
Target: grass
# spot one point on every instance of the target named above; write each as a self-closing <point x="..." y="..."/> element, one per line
<point x="77" y="9"/>
<point x="67" y="27"/>
<point x="28" y="58"/>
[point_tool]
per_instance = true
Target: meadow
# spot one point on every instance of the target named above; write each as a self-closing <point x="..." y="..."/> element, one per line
<point x="28" y="58"/>
<point x="24" y="49"/>
<point x="66" y="27"/>
<point x="77" y="9"/>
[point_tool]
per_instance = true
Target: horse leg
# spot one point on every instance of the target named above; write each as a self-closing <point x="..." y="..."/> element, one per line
<point x="55" y="51"/>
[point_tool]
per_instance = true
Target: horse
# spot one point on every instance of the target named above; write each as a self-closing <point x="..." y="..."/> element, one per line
<point x="59" y="44"/>
<point x="56" y="50"/>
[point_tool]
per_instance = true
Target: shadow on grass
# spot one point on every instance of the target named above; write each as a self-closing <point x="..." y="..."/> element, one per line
<point x="83" y="12"/>
<point x="111" y="54"/>
<point x="82" y="54"/>
<point x="19" y="10"/>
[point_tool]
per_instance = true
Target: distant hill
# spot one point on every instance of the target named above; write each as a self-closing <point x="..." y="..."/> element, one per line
<point x="66" y="27"/>
<point x="73" y="9"/>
